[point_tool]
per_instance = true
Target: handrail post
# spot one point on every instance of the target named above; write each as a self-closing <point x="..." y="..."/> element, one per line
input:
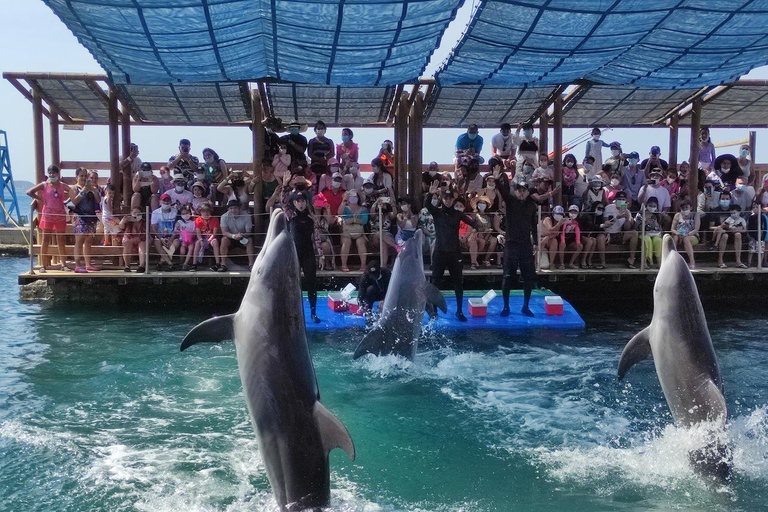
<point x="538" y="242"/>
<point x="382" y="250"/>
<point x="31" y="243"/>
<point x="147" y="220"/>
<point x="642" y="238"/>
<point x="760" y="249"/>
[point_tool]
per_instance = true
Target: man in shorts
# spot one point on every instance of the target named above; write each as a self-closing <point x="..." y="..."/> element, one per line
<point x="619" y="227"/>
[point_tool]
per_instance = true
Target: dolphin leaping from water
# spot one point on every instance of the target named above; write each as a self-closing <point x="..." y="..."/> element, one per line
<point x="295" y="431"/>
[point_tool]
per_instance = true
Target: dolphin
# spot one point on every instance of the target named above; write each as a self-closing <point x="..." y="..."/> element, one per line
<point x="399" y="326"/>
<point x="295" y="432"/>
<point x="682" y="351"/>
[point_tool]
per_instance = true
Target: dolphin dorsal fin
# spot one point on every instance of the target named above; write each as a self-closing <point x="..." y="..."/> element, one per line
<point x="333" y="432"/>
<point x="218" y="328"/>
<point x="638" y="348"/>
<point x="434" y="296"/>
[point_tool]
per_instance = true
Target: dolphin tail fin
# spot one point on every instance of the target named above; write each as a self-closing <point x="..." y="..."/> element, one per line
<point x="371" y="343"/>
<point x="333" y="432"/>
<point x="434" y="296"/>
<point x="638" y="348"/>
<point x="214" y="329"/>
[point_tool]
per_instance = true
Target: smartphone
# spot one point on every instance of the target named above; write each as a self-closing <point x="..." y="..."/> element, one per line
<point x="386" y="200"/>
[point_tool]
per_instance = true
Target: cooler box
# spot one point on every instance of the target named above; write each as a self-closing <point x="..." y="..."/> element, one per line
<point x="354" y="307"/>
<point x="336" y="302"/>
<point x="553" y="305"/>
<point x="477" y="307"/>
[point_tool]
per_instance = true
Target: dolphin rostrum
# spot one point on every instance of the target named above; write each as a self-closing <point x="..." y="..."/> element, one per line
<point x="295" y="431"/>
<point x="399" y="326"/>
<point x="682" y="351"/>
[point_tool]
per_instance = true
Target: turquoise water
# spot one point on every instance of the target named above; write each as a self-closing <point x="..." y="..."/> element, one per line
<point x="100" y="411"/>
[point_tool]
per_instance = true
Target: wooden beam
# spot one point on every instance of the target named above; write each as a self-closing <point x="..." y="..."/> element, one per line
<point x="114" y="148"/>
<point x="125" y="187"/>
<point x="264" y="97"/>
<point x="558" y="142"/>
<point x="674" y="133"/>
<point x="401" y="146"/>
<point x="24" y="92"/>
<point x="53" y="124"/>
<point x="753" y="156"/>
<point x="54" y="76"/>
<point x="544" y="107"/>
<point x="37" y="131"/>
<point x="415" y="153"/>
<point x="693" y="176"/>
<point x="395" y="103"/>
<point x="257" y="138"/>
<point x="544" y="133"/>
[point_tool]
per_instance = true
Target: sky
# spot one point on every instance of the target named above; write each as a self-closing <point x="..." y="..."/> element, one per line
<point x="36" y="40"/>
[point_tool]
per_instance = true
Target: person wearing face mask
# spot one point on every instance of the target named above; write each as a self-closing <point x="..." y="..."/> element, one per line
<point x="527" y="146"/>
<point x="134" y="231"/>
<point x="272" y="126"/>
<point x="355" y="217"/>
<point x="757" y="234"/>
<point x="594" y="194"/>
<point x="236" y="233"/>
<point x="618" y="227"/>
<point x="50" y="196"/>
<point x="552" y="226"/>
<point x="427" y="225"/>
<point x="369" y="192"/>
<point x="281" y="162"/>
<point x="447" y="252"/>
<point x="214" y="167"/>
<point x="725" y="170"/>
<point x="407" y="220"/>
<point x="161" y="227"/>
<point x="198" y="197"/>
<point x="301" y="225"/>
<point x="481" y="242"/>
<point x="717" y="216"/>
<point x="502" y="144"/>
<point x="334" y="195"/>
<point x="672" y="185"/>
<point x="613" y="188"/>
<point x="653" y="231"/>
<point x="654" y="161"/>
<point x="146" y="188"/>
<point x="570" y="238"/>
<point x="347" y="151"/>
<point x="387" y="157"/>
<point x="685" y="228"/>
<point x="594" y="147"/>
<point x="706" y="150"/>
<point x="372" y="286"/>
<point x="543" y="171"/>
<point x="87" y="206"/>
<point x="382" y="180"/>
<point x="592" y="222"/>
<point x="632" y="178"/>
<point x="543" y="194"/>
<point x="183" y="162"/>
<point x="745" y="164"/>
<point x="653" y="188"/>
<point x="352" y="179"/>
<point x="616" y="162"/>
<point x="524" y="173"/>
<point x="180" y="195"/>
<point x="490" y="189"/>
<point x="184" y="237"/>
<point x="236" y="186"/>
<point x="430" y="175"/>
<point x="570" y="175"/>
<point x="295" y="143"/>
<point x="320" y="148"/>
<point x="470" y="140"/>
<point x="732" y="228"/>
<point x="742" y="194"/>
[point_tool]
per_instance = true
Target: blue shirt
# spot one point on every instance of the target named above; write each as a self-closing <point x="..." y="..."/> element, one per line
<point x="464" y="143"/>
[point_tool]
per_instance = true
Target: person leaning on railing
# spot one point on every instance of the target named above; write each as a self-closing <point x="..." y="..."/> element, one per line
<point x="86" y="205"/>
<point x="685" y="229"/>
<point x="592" y="227"/>
<point x="619" y="227"/>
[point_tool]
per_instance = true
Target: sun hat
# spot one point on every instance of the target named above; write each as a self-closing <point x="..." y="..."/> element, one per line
<point x="477" y="199"/>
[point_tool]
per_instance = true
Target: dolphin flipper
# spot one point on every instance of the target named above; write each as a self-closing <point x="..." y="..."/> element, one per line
<point x="372" y="343"/>
<point x="715" y="400"/>
<point x="434" y="296"/>
<point x="333" y="432"/>
<point x="638" y="348"/>
<point x="214" y="329"/>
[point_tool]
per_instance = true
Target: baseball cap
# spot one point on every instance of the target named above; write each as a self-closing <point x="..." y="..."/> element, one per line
<point x="558" y="209"/>
<point x="165" y="196"/>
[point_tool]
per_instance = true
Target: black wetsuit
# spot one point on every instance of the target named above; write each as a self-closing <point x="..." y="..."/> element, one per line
<point x="302" y="228"/>
<point x="373" y="286"/>
<point x="521" y="227"/>
<point x="447" y="254"/>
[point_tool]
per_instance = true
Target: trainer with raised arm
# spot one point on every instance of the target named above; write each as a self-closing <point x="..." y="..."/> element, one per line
<point x="447" y="253"/>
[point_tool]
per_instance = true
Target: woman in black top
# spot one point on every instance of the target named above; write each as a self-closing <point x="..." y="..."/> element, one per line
<point x="302" y="228"/>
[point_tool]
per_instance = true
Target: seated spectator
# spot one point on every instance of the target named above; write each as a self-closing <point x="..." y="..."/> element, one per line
<point x="324" y="176"/>
<point x="334" y="192"/>
<point x="134" y="228"/>
<point x="460" y="182"/>
<point x="162" y="224"/>
<point x="682" y="179"/>
<point x="481" y="240"/>
<point x="616" y="162"/>
<point x="618" y="226"/>
<point x="320" y="148"/>
<point x="200" y="176"/>
<point x="594" y="148"/>
<point x="745" y="164"/>
<point x="324" y="220"/>
<point x="632" y="179"/>
<point x="184" y="237"/>
<point x="183" y="162"/>
<point x="594" y="194"/>
<point x="108" y="219"/>
<point x="731" y="229"/>
<point x="372" y="286"/>
<point x="502" y="145"/>
<point x="743" y="195"/>
<point x="407" y="220"/>
<point x="369" y="193"/>
<point x="87" y="204"/>
<point x="351" y="179"/>
<point x="570" y="175"/>
<point x="269" y="183"/>
<point x="387" y="157"/>
<point x="179" y="195"/>
<point x="470" y="140"/>
<point x="725" y="171"/>
<point x="543" y="194"/>
<point x="146" y="188"/>
<point x="613" y="188"/>
<point x="382" y="228"/>
<point x="214" y="167"/>
<point x="198" y="197"/>
<point x="709" y="197"/>
<point x="653" y="188"/>
<point x="685" y="228"/>
<point x="281" y="162"/>
<point x="551" y="231"/>
<point x="489" y="189"/>
<point x="166" y="182"/>
<point x="382" y="180"/>
<point x="524" y="172"/>
<point x="430" y="175"/>
<point x="650" y="223"/>
<point x="570" y="238"/>
<point x="673" y="187"/>
<point x="592" y="226"/>
<point x="355" y="216"/>
<point x="473" y="178"/>
<point x="206" y="231"/>
<point x="527" y="148"/>
<point x="347" y="151"/>
<point x="301" y="226"/>
<point x="235" y="186"/>
<point x="295" y="143"/>
<point x="762" y="194"/>
<point x="543" y="172"/>
<point x="654" y="161"/>
<point x="236" y="232"/>
<point x="757" y="234"/>
<point x="706" y="150"/>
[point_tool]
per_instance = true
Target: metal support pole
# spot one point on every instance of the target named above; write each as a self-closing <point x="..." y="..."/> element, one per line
<point x="759" y="239"/>
<point x="642" y="238"/>
<point x="382" y="250"/>
<point x="538" y="242"/>
<point x="147" y="220"/>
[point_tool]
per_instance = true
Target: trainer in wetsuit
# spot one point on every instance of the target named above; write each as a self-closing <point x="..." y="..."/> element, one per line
<point x="447" y="253"/>
<point x="302" y="226"/>
<point x="521" y="220"/>
<point x="373" y="285"/>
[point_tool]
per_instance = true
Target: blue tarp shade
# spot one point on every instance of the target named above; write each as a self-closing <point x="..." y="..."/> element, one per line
<point x="351" y="106"/>
<point x="75" y="99"/>
<point x="742" y="106"/>
<point x="336" y="42"/>
<point x="604" y="105"/>
<point x="486" y="106"/>
<point x="665" y="44"/>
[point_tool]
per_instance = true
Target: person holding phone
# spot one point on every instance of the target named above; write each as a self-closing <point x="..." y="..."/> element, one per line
<point x="87" y="203"/>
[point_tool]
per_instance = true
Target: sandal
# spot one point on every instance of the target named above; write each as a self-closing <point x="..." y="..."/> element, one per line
<point x="574" y="266"/>
<point x="723" y="265"/>
<point x="473" y="266"/>
<point x="487" y="264"/>
<point x="561" y="267"/>
<point x="741" y="265"/>
<point x="631" y="265"/>
<point x="344" y="269"/>
<point x="599" y="267"/>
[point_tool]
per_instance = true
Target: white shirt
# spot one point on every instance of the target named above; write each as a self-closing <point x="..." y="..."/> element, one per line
<point x="184" y="197"/>
<point x="165" y="221"/>
<point x="659" y="192"/>
<point x="504" y="146"/>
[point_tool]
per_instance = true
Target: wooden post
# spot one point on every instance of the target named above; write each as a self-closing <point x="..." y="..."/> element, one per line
<point x="415" y="138"/>
<point x="37" y="130"/>
<point x="257" y="137"/>
<point x="558" y="143"/>
<point x="114" y="147"/>
<point x="55" y="144"/>
<point x="693" y="176"/>
<point x="543" y="134"/>
<point x="673" y="140"/>
<point x="125" y="188"/>
<point x="752" y="155"/>
<point x="401" y="147"/>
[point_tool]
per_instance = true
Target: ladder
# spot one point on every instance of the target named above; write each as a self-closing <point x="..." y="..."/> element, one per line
<point x="8" y="199"/>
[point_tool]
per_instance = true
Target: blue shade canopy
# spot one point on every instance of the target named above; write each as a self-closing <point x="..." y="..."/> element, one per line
<point x="348" y="106"/>
<point x="335" y="42"/>
<point x="665" y="44"/>
<point x="739" y="105"/>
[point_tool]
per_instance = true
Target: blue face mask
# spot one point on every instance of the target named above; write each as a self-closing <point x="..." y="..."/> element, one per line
<point x="472" y="136"/>
<point x="344" y="138"/>
<point x="294" y="131"/>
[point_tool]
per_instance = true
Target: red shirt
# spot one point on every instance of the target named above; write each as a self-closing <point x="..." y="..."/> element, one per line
<point x="206" y="227"/>
<point x="334" y="199"/>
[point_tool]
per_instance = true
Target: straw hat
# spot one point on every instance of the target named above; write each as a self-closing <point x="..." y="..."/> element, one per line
<point x="477" y="199"/>
<point x="276" y="123"/>
<point x="302" y="126"/>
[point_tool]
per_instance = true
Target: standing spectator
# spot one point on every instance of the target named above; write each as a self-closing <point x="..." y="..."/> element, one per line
<point x="653" y="231"/>
<point x="134" y="228"/>
<point x="214" y="166"/>
<point x="469" y="144"/>
<point x="743" y="195"/>
<point x="146" y="188"/>
<point x="706" y="150"/>
<point x="87" y="203"/>
<point x="161" y="227"/>
<point x="407" y="220"/>
<point x="236" y="231"/>
<point x="295" y="143"/>
<point x="570" y="238"/>
<point x="282" y="161"/>
<point x="183" y="162"/>
<point x="481" y="241"/>
<point x="745" y="164"/>
<point x="762" y="195"/>
<point x="109" y="221"/>
<point x="551" y="231"/>
<point x="654" y="161"/>
<point x="616" y="162"/>
<point x="235" y="187"/>
<point x="324" y="220"/>
<point x="570" y="175"/>
<point x="427" y="225"/>
<point x="269" y="183"/>
<point x="593" y="226"/>
<point x="320" y="148"/>
<point x="355" y="216"/>
<point x="527" y="146"/>
<point x="302" y="228"/>
<point x="206" y="231"/>
<point x="474" y="180"/>
<point x="185" y="231"/>
<point x="272" y="126"/>
<point x="594" y="194"/>
<point x="52" y="194"/>
<point x="503" y="146"/>
<point x="757" y="234"/>
<point x="129" y="167"/>
<point x="594" y="148"/>
<point x="582" y="182"/>
<point x="619" y="227"/>
<point x="685" y="228"/>
<point x="347" y="151"/>
<point x="387" y="157"/>
<point x="632" y="178"/>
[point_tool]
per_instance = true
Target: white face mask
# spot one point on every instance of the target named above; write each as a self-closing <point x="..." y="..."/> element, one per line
<point x="53" y="179"/>
<point x="432" y="172"/>
<point x="573" y="215"/>
<point x="336" y="184"/>
<point x="481" y="207"/>
<point x="528" y="134"/>
<point x="435" y="202"/>
<point x="458" y="208"/>
<point x="670" y="180"/>
<point x="186" y="216"/>
<point x="166" y="207"/>
<point x="352" y="199"/>
<point x="368" y="191"/>
<point x="209" y="160"/>
<point x="588" y="167"/>
<point x="569" y="164"/>
<point x="179" y="188"/>
<point x="558" y="217"/>
<point x="283" y="151"/>
<point x="614" y="182"/>
<point x="633" y="161"/>
<point x="353" y="170"/>
<point x="615" y="152"/>
<point x="686" y="211"/>
<point x="490" y="187"/>
<point x="596" y="137"/>
<point x="320" y="132"/>
<point x="744" y="153"/>
<point x="145" y="174"/>
<point x="404" y="208"/>
<point x="652" y="209"/>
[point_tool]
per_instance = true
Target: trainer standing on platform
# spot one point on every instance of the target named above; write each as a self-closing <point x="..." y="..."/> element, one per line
<point x="447" y="253"/>
<point x="521" y="230"/>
